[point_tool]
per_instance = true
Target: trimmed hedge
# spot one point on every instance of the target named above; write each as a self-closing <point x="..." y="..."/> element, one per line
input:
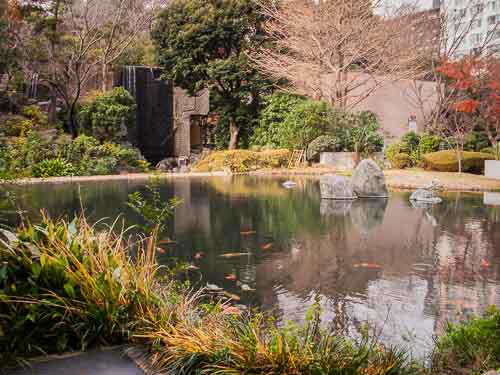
<point x="446" y="161"/>
<point x="239" y="161"/>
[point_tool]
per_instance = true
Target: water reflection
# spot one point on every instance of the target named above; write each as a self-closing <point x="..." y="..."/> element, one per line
<point x="405" y="269"/>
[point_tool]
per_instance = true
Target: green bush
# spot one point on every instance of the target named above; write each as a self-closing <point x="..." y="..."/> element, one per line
<point x="447" y="161"/>
<point x="277" y="107"/>
<point x="110" y="116"/>
<point x="357" y="132"/>
<point x="429" y="143"/>
<point x="305" y="122"/>
<point x="17" y="126"/>
<point x="324" y="143"/>
<point x="36" y="115"/>
<point x="401" y="161"/>
<point x="53" y="168"/>
<point x="411" y="142"/>
<point x="472" y="347"/>
<point x="495" y="151"/>
<point x="476" y="141"/>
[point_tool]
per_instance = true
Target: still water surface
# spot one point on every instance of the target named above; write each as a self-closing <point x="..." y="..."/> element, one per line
<point x="405" y="270"/>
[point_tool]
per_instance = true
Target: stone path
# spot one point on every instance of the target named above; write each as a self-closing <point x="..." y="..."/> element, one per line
<point x="110" y="362"/>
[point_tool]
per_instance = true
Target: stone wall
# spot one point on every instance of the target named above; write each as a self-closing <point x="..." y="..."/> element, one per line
<point x="186" y="106"/>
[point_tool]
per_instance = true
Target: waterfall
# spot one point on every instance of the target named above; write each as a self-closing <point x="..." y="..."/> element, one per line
<point x="32" y="89"/>
<point x="129" y="80"/>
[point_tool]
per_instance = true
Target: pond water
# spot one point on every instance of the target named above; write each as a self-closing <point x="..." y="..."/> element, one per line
<point x="404" y="270"/>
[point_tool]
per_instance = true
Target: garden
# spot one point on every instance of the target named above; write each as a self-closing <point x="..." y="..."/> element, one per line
<point x="246" y="273"/>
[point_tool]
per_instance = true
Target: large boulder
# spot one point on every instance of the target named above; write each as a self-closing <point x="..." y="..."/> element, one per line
<point x="368" y="180"/>
<point x="336" y="187"/>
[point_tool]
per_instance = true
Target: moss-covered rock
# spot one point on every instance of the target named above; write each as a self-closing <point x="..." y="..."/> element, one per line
<point x="447" y="161"/>
<point x="239" y="161"/>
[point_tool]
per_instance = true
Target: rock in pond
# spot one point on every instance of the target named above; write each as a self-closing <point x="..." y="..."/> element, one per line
<point x="368" y="180"/>
<point x="425" y="196"/>
<point x="336" y="187"/>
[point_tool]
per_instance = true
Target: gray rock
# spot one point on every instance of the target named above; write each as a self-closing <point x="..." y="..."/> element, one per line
<point x="368" y="180"/>
<point x="330" y="207"/>
<point x="492" y="372"/>
<point x="184" y="169"/>
<point x="167" y="165"/>
<point x="336" y="187"/>
<point x="425" y="196"/>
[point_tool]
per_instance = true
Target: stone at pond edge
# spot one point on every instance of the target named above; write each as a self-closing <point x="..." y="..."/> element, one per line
<point x="336" y="187"/>
<point x="368" y="180"/>
<point x="425" y="196"/>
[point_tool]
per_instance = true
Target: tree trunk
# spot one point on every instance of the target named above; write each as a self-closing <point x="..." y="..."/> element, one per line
<point x="104" y="73"/>
<point x="72" y="124"/>
<point x="459" y="158"/>
<point x="52" y="115"/>
<point x="234" y="131"/>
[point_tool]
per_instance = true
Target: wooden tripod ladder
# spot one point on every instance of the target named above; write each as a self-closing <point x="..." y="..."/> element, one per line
<point x="297" y="158"/>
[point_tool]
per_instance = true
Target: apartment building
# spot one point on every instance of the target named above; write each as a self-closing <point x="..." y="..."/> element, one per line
<point x="473" y="26"/>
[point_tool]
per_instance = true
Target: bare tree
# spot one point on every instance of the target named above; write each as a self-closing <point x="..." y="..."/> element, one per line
<point x="339" y="50"/>
<point x="121" y="24"/>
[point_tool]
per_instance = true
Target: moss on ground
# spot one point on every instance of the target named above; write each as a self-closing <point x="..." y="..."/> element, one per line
<point x="240" y="161"/>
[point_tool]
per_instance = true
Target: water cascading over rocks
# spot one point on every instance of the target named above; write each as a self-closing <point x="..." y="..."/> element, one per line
<point x="154" y="128"/>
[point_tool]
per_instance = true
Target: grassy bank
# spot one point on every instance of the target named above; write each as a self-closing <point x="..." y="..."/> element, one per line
<point x="68" y="286"/>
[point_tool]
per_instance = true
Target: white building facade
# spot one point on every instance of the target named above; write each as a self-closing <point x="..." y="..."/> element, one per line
<point x="473" y="27"/>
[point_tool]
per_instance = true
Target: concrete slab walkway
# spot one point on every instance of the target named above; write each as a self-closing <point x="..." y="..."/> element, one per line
<point x="108" y="362"/>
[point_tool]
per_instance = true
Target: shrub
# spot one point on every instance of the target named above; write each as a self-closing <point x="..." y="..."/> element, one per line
<point x="36" y="115"/>
<point x="472" y="346"/>
<point x="429" y="143"/>
<point x="238" y="161"/>
<point x="401" y="161"/>
<point x="17" y="126"/>
<point x="411" y="140"/>
<point x="277" y="107"/>
<point x="324" y="143"/>
<point x="493" y="151"/>
<point x="305" y="122"/>
<point x="357" y="132"/>
<point x="476" y="141"/>
<point x="53" y="168"/>
<point x="447" y="161"/>
<point x="110" y="117"/>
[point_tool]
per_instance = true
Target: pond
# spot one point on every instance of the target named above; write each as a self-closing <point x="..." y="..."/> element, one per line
<point x="404" y="270"/>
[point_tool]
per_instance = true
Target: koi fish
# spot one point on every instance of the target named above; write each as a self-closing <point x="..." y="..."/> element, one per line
<point x="231" y="310"/>
<point x="368" y="265"/>
<point x="248" y="233"/>
<point x="231" y="277"/>
<point x="267" y="246"/>
<point x="233" y="255"/>
<point x="192" y="267"/>
<point x="160" y="250"/>
<point x="485" y="263"/>
<point x="199" y="255"/>
<point x="233" y="297"/>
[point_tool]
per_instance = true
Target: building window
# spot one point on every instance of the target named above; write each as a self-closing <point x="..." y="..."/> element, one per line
<point x="476" y="38"/>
